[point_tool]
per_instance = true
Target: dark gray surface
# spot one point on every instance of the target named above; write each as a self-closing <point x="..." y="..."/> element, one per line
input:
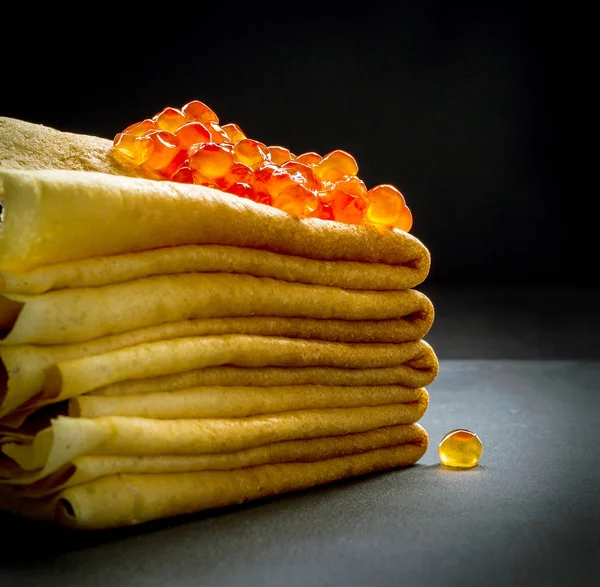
<point x="528" y="515"/>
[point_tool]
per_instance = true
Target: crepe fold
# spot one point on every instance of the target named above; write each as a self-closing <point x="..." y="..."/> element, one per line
<point x="84" y="469"/>
<point x="67" y="438"/>
<point x="415" y="365"/>
<point x="104" y="270"/>
<point x="80" y="314"/>
<point x="26" y="146"/>
<point x="56" y="216"/>
<point x="127" y="499"/>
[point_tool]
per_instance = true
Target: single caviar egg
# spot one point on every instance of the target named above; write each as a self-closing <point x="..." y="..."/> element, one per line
<point x="460" y="448"/>
<point x="386" y="204"/>
<point x="169" y="119"/>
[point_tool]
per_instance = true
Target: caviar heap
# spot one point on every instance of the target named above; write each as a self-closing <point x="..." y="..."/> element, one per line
<point x="189" y="145"/>
<point x="460" y="448"/>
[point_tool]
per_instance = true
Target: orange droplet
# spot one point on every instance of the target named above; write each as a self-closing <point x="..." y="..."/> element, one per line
<point x="405" y="221"/>
<point x="170" y="119"/>
<point x="273" y="179"/>
<point x="309" y="158"/>
<point x="347" y="204"/>
<point x="386" y="204"/>
<point x="139" y="128"/>
<point x="241" y="189"/>
<point x="279" y="155"/>
<point x="217" y="134"/>
<point x="296" y="199"/>
<point x="311" y="181"/>
<point x="322" y="211"/>
<point x="211" y="160"/>
<point x="137" y="149"/>
<point x="180" y="159"/>
<point x="336" y="166"/>
<point x="184" y="174"/>
<point x="234" y="132"/>
<point x="191" y="133"/>
<point x="166" y="146"/>
<point x="239" y="172"/>
<point x="251" y="152"/>
<point x="200" y="112"/>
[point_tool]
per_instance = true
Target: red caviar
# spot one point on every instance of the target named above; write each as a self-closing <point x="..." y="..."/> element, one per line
<point x="189" y="145"/>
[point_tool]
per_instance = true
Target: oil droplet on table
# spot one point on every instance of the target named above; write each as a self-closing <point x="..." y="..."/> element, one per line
<point x="460" y="448"/>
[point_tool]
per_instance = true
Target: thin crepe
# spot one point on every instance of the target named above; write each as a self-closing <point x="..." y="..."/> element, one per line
<point x="27" y="145"/>
<point x="415" y="362"/>
<point x="75" y="377"/>
<point x="56" y="216"/>
<point x="80" y="314"/>
<point x="125" y="500"/>
<point x="237" y="402"/>
<point x="86" y="468"/>
<point x="105" y="270"/>
<point x="25" y="366"/>
<point x="68" y="438"/>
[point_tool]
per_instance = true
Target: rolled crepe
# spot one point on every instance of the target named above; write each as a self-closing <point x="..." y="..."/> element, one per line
<point x="68" y="379"/>
<point x="68" y="438"/>
<point x="86" y="468"/>
<point x="56" y="216"/>
<point x="236" y="402"/>
<point x="210" y="259"/>
<point x="419" y="372"/>
<point x="25" y="366"/>
<point x="75" y="315"/>
<point x="416" y="362"/>
<point x="125" y="500"/>
<point x="26" y="145"/>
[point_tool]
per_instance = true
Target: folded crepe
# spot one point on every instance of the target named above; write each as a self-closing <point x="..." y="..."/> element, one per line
<point x="169" y="348"/>
<point x="121" y="499"/>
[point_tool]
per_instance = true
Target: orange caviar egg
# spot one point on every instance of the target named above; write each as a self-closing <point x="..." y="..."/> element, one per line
<point x="311" y="181"/>
<point x="211" y="160"/>
<point x="241" y="189"/>
<point x="234" y="132"/>
<point x="272" y="180"/>
<point x="239" y="172"/>
<point x="322" y="211"/>
<point x="405" y="221"/>
<point x="188" y="145"/>
<point x="386" y="204"/>
<point x="136" y="148"/>
<point x="251" y="152"/>
<point x="336" y="165"/>
<point x="185" y="174"/>
<point x="180" y="159"/>
<point x="166" y="146"/>
<point x="279" y="155"/>
<point x="217" y="134"/>
<point x="348" y="201"/>
<point x="200" y="112"/>
<point x="460" y="448"/>
<point x="296" y="199"/>
<point x="309" y="158"/>
<point x="191" y="133"/>
<point x="169" y="119"/>
<point x="352" y="186"/>
<point x="139" y="128"/>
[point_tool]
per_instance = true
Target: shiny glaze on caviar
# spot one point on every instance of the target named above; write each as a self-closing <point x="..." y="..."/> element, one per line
<point x="188" y="145"/>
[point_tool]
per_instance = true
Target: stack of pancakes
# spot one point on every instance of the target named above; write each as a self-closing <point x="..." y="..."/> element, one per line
<point x="170" y="348"/>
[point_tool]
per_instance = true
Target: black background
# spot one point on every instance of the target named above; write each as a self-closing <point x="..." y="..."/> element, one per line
<point x="463" y="106"/>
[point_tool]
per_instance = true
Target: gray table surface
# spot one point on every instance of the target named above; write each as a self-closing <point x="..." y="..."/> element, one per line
<point x="520" y="367"/>
<point x="528" y="514"/>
